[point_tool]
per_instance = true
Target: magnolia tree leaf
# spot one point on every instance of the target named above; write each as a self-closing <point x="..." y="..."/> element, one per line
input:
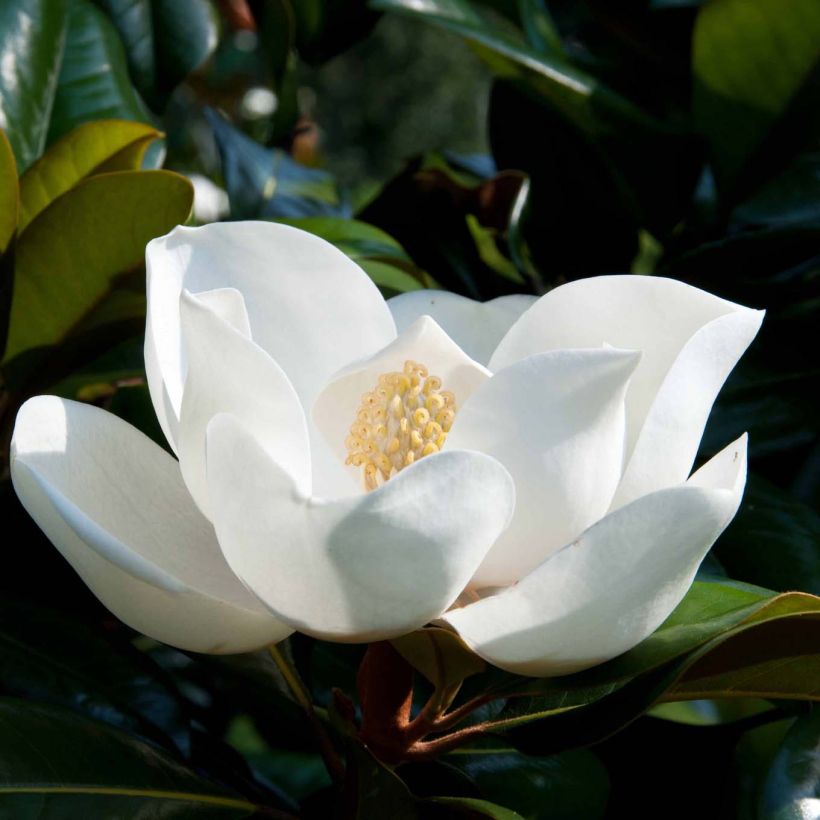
<point x="569" y="786"/>
<point x="93" y="82"/>
<point x="791" y="790"/>
<point x="723" y="640"/>
<point x="467" y="807"/>
<point x="376" y="252"/>
<point x="70" y="257"/>
<point x="32" y="38"/>
<point x="750" y="60"/>
<point x="100" y="146"/>
<point x="54" y="657"/>
<point x="164" y="41"/>
<point x="9" y="207"/>
<point x="70" y="766"/>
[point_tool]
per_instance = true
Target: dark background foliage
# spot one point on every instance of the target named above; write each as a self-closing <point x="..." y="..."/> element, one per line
<point x="484" y="146"/>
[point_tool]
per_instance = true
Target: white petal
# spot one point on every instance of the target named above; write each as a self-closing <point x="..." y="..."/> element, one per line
<point x="365" y="568"/>
<point x="556" y="422"/>
<point x="425" y="342"/>
<point x="668" y="442"/>
<point x="476" y="327"/>
<point x="310" y="307"/>
<point x="668" y="321"/>
<point x="613" y="586"/>
<point x="115" y="505"/>
<point x="228" y="372"/>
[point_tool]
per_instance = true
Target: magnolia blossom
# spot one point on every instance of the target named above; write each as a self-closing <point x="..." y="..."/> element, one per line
<point x="355" y="468"/>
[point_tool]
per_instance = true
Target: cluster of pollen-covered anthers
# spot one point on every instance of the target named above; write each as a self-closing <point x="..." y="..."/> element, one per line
<point x="405" y="417"/>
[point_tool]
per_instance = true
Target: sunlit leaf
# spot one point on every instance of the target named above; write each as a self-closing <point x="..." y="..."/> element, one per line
<point x="97" y="146"/>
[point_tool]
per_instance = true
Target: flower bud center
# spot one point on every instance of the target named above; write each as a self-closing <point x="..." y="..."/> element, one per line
<point x="405" y="417"/>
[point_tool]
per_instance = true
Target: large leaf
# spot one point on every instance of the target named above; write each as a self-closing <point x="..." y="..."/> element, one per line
<point x="103" y="145"/>
<point x="164" y="40"/>
<point x="56" y="764"/>
<point x="9" y="206"/>
<point x="377" y="253"/>
<point x="773" y="541"/>
<point x="570" y="786"/>
<point x="70" y="257"/>
<point x="750" y="60"/>
<point x="723" y="640"/>
<point x="32" y="36"/>
<point x="54" y="657"/>
<point x="93" y="82"/>
<point x="791" y="790"/>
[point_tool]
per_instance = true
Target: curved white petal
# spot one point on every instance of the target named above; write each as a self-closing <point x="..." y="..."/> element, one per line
<point x="476" y="327"/>
<point x="310" y="307"/>
<point x="425" y="342"/>
<point x="690" y="341"/>
<point x="228" y="372"/>
<point x="115" y="505"/>
<point x="613" y="586"/>
<point x="556" y="422"/>
<point x="364" y="568"/>
<point x="669" y="439"/>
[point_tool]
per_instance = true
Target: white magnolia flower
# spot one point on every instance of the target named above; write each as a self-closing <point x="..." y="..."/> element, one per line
<point x="354" y="468"/>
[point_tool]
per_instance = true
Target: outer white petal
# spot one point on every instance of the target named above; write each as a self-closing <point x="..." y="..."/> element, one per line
<point x="115" y="505"/>
<point x="310" y="307"/>
<point x="476" y="327"/>
<point x="690" y="341"/>
<point x="556" y="422"/>
<point x="613" y="586"/>
<point x="228" y="372"/>
<point x="424" y="341"/>
<point x="365" y="568"/>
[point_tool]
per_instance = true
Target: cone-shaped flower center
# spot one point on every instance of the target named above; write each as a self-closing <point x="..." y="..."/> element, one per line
<point x="405" y="417"/>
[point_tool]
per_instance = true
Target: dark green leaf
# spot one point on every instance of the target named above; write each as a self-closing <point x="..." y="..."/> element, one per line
<point x="9" y="208"/>
<point x="93" y="82"/>
<point x="326" y="27"/>
<point x="55" y="764"/>
<point x="53" y="657"/>
<point x="569" y="786"/>
<point x="774" y="541"/>
<point x="750" y="60"/>
<point x="164" y="40"/>
<point x="791" y="790"/>
<point x="32" y="37"/>
<point x="468" y="807"/>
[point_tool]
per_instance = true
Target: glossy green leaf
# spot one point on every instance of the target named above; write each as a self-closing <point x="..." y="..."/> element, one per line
<point x="569" y="786"/>
<point x="750" y="60"/>
<point x="9" y="208"/>
<point x="791" y="790"/>
<point x="70" y="766"/>
<point x="69" y="259"/>
<point x="164" y="41"/>
<point x="9" y="194"/>
<point x="97" y="146"/>
<point x="52" y="656"/>
<point x="93" y="82"/>
<point x="32" y="37"/>
<point x="773" y="541"/>
<point x="377" y="253"/>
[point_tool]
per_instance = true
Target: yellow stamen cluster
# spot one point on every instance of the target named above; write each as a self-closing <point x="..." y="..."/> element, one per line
<point x="405" y="417"/>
